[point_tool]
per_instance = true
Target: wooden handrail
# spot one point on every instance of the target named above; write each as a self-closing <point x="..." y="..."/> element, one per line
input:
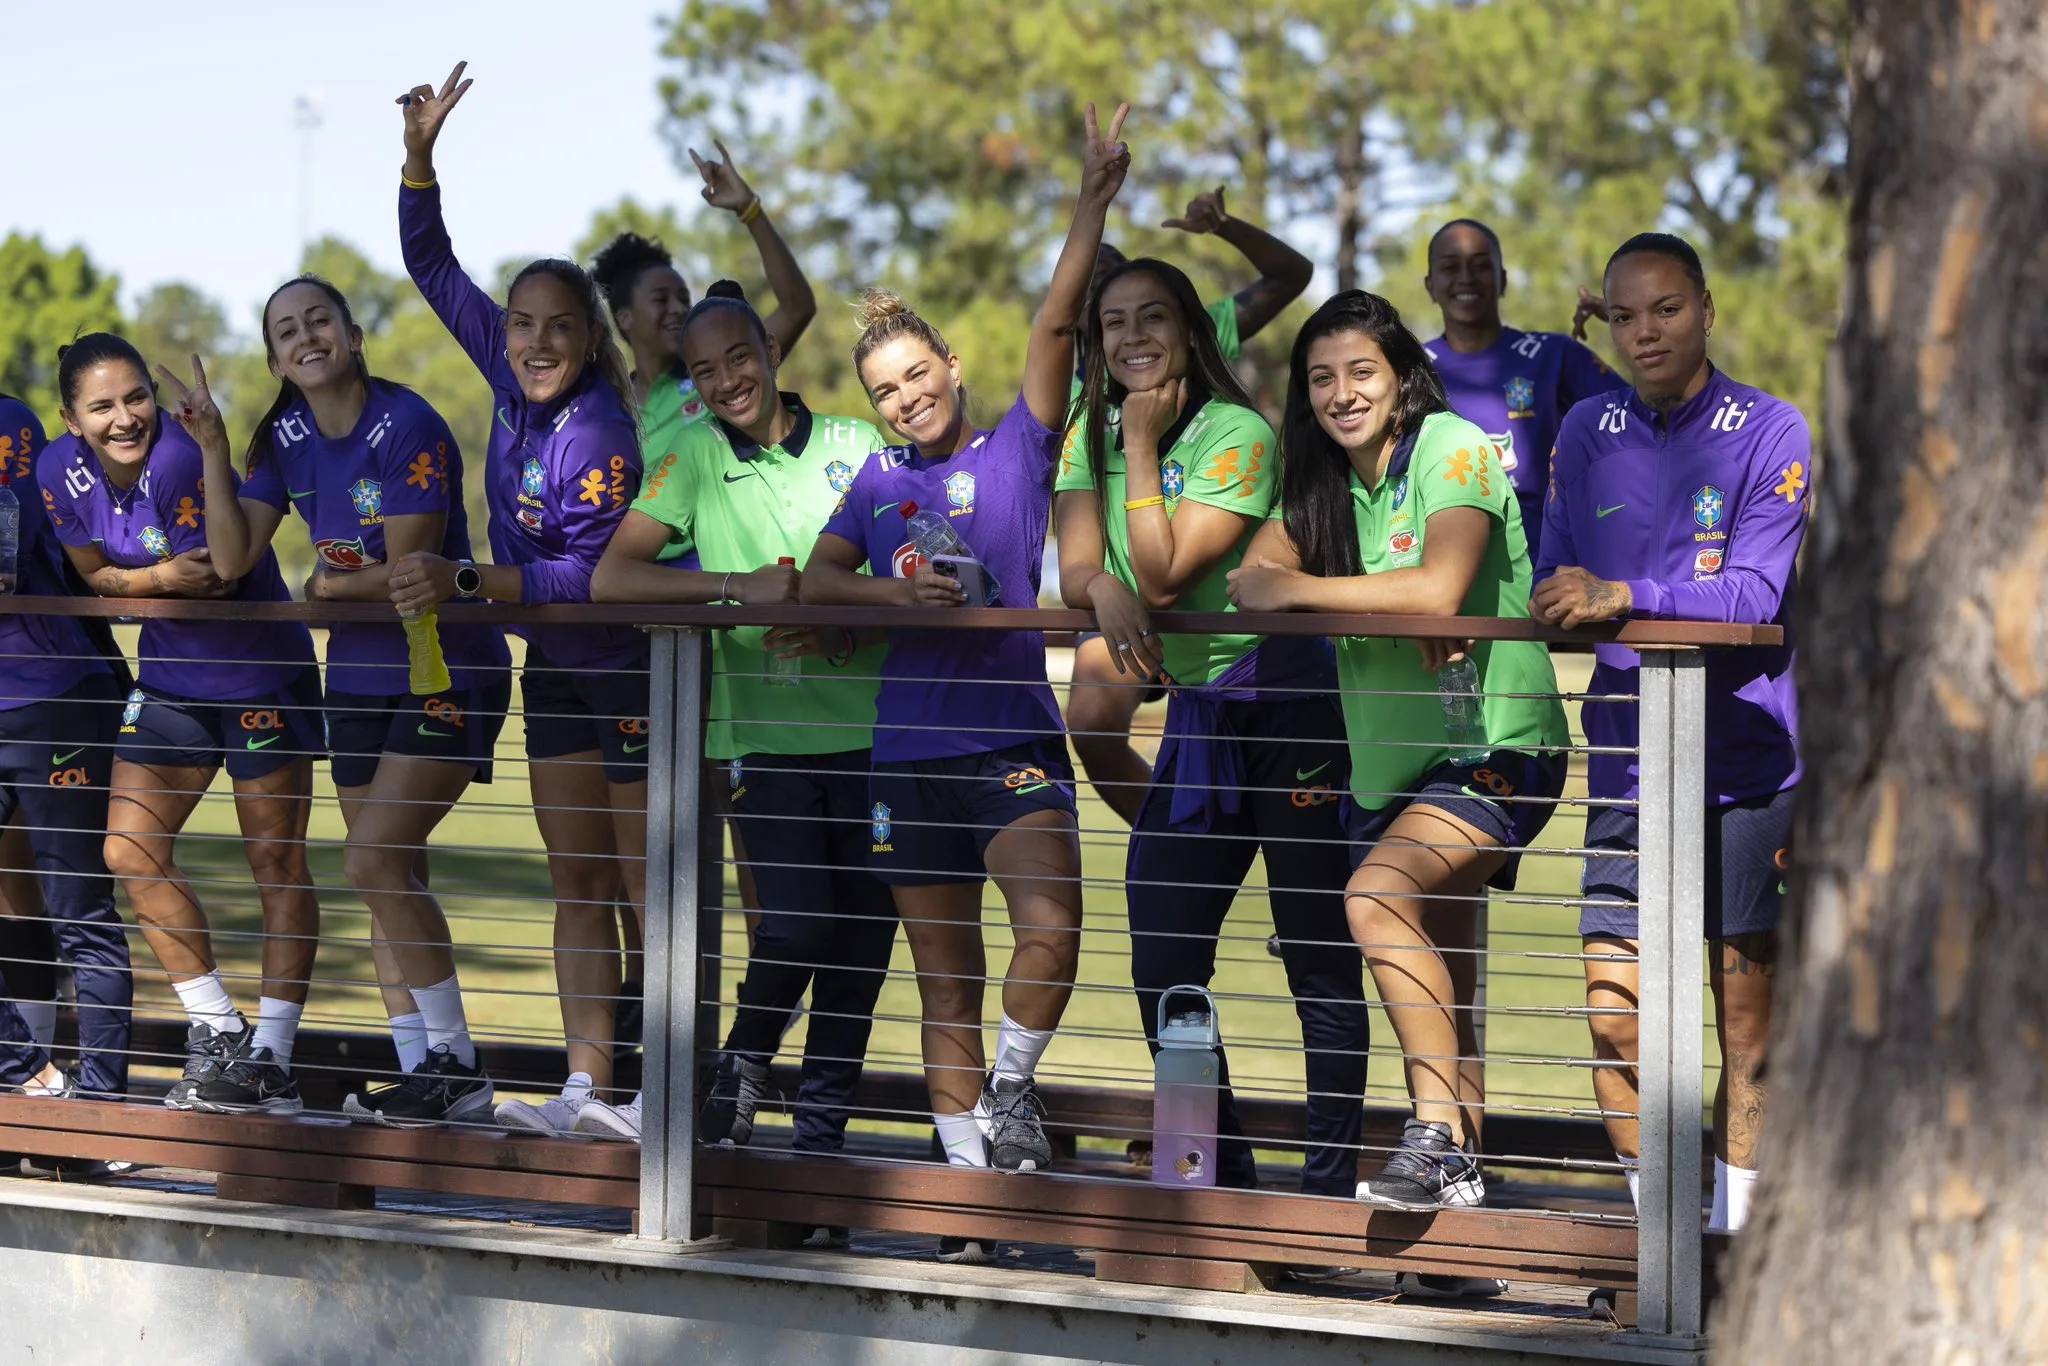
<point x="1637" y="634"/>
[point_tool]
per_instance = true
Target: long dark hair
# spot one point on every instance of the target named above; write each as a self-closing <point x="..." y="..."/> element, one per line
<point x="1315" y="472"/>
<point x="610" y="361"/>
<point x="1207" y="367"/>
<point x="81" y="354"/>
<point x="263" y="440"/>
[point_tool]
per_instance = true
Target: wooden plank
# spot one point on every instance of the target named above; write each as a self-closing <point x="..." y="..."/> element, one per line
<point x="271" y="1190"/>
<point x="1185" y="1273"/>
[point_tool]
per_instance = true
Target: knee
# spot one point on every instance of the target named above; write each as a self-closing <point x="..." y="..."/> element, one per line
<point x="1376" y="918"/>
<point x="1745" y="1036"/>
<point x="949" y="999"/>
<point x="1615" y="1033"/>
<point x="131" y="858"/>
<point x="373" y="868"/>
<point x="277" y="863"/>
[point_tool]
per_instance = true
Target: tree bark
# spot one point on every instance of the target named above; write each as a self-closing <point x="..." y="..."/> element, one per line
<point x="1903" y="1212"/>
<point x="1351" y="173"/>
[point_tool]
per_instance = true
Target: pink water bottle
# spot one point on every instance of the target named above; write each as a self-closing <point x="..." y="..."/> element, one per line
<point x="1185" y="1076"/>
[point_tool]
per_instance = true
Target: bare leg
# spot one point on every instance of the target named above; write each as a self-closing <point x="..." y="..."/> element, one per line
<point x="150" y="805"/>
<point x="1101" y="704"/>
<point x="1036" y="864"/>
<point x="273" y="811"/>
<point x="1614" y="986"/>
<point x="385" y="862"/>
<point x="942" y="925"/>
<point x="391" y="983"/>
<point x="1744" y="972"/>
<point x="573" y="807"/>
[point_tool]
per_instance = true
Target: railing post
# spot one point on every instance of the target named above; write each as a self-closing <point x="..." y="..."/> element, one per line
<point x="669" y="1033"/>
<point x="1671" y="906"/>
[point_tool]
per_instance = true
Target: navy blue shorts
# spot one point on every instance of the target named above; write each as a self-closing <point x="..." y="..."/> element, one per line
<point x="1484" y="796"/>
<point x="572" y="712"/>
<point x="459" y="726"/>
<point x="931" y="820"/>
<point x="1748" y="859"/>
<point x="252" y="737"/>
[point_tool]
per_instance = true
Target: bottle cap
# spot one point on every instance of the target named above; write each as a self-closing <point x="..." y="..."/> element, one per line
<point x="907" y="509"/>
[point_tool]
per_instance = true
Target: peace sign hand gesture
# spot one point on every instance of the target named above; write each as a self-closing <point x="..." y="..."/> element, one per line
<point x="724" y="186"/>
<point x="425" y="111"/>
<point x="195" y="409"/>
<point x="1204" y="214"/>
<point x="1106" y="161"/>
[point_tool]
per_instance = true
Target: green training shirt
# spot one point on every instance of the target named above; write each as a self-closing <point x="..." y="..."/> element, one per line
<point x="1219" y="455"/>
<point x="673" y="404"/>
<point x="1390" y="699"/>
<point x="741" y="507"/>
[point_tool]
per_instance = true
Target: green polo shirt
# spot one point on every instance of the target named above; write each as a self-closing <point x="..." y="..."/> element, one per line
<point x="672" y="405"/>
<point x="1219" y="455"/>
<point x="1390" y="699"/>
<point x="741" y="507"/>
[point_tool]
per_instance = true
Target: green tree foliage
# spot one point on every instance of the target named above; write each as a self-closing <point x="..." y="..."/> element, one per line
<point x="46" y="299"/>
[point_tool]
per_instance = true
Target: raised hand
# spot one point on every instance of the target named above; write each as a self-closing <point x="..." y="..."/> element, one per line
<point x="194" y="407"/>
<point x="1106" y="161"/>
<point x="1591" y="305"/>
<point x="425" y="111"/>
<point x="1204" y="214"/>
<point x="1147" y="413"/>
<point x="724" y="186"/>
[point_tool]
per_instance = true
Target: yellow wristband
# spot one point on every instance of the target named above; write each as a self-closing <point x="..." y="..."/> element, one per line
<point x="751" y="212"/>
<point x="1156" y="500"/>
<point x="412" y="184"/>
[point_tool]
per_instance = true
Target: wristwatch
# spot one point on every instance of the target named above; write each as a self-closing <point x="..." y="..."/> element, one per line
<point x="469" y="580"/>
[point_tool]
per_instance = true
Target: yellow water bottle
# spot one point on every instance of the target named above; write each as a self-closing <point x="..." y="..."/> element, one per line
<point x="427" y="667"/>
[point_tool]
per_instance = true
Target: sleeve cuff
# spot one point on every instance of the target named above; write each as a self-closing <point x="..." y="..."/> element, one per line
<point x="1649" y="598"/>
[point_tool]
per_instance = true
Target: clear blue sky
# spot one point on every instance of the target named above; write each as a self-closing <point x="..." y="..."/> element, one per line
<point x="163" y="139"/>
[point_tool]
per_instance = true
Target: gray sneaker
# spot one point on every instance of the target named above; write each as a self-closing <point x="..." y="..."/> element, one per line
<point x="1428" y="1171"/>
<point x="207" y="1054"/>
<point x="727" y="1116"/>
<point x="1016" y="1126"/>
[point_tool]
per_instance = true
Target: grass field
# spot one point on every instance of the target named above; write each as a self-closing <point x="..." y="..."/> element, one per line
<point x="492" y="877"/>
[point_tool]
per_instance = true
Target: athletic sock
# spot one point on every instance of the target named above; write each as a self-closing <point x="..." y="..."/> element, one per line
<point x="965" y="1146"/>
<point x="441" y="1009"/>
<point x="1632" y="1168"/>
<point x="1018" y="1050"/>
<point x="277" y="1027"/>
<point x="41" y="1019"/>
<point x="208" y="1003"/>
<point x="1732" y="1189"/>
<point x="409" y="1034"/>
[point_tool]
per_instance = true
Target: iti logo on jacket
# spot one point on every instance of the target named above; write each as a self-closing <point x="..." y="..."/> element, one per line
<point x="1173" y="480"/>
<point x="1707" y="507"/>
<point x="960" y="493"/>
<point x="878" y="826"/>
<point x="1521" y="396"/>
<point x="1614" y="418"/>
<point x="368" y="496"/>
<point x="1732" y="413"/>
<point x="532" y="478"/>
<point x="839" y="475"/>
<point x="156" y="543"/>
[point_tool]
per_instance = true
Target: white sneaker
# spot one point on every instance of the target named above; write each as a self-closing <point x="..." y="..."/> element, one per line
<point x="611" y="1121"/>
<point x="554" y="1116"/>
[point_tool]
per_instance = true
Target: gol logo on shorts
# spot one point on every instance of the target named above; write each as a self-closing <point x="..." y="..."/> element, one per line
<point x="1026" y="780"/>
<point x="633" y="725"/>
<point x="1319" y="795"/>
<point x="71" y="777"/>
<point x="266" y="719"/>
<point x="447" y="712"/>
<point x="1493" y="782"/>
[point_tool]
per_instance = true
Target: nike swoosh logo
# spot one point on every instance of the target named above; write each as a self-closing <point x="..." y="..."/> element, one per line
<point x="1308" y="773"/>
<point x="436" y="734"/>
<point x="295" y="495"/>
<point x="1602" y="512"/>
<point x="1035" y="787"/>
<point x="886" y="507"/>
<point x="735" y="478"/>
<point x="633" y="749"/>
<point x="253" y="743"/>
<point x="504" y="420"/>
<point x="59" y="760"/>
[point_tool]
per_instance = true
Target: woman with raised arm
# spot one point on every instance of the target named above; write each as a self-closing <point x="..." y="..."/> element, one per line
<point x="563" y="462"/>
<point x="127" y="495"/>
<point x="375" y="474"/>
<point x="792" y="713"/>
<point x="971" y="775"/>
<point x="1392" y="503"/>
<point x="1173" y="472"/>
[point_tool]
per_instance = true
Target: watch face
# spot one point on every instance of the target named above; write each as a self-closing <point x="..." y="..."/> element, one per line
<point x="468" y="580"/>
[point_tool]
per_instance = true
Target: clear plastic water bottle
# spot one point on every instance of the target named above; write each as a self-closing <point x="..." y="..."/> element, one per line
<point x="1457" y="686"/>
<point x="934" y="536"/>
<point x="1186" y="1075"/>
<point x="10" y="533"/>
<point x="784" y="672"/>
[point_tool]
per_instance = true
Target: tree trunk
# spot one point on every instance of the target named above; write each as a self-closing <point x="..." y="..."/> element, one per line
<point x="1351" y="172"/>
<point x="1903" y="1215"/>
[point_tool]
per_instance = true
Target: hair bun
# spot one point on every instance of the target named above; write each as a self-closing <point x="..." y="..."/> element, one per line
<point x="877" y="306"/>
<point x="726" y="289"/>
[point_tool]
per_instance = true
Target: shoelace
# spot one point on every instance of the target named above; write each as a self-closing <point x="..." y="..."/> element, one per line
<point x="1010" y="1103"/>
<point x="1418" y="1161"/>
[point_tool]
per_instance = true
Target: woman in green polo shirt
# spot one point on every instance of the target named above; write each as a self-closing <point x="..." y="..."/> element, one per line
<point x="1392" y="503"/>
<point x="746" y="489"/>
<point x="1154" y="510"/>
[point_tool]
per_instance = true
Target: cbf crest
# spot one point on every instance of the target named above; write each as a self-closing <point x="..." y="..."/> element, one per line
<point x="368" y="496"/>
<point x="878" y="826"/>
<point x="532" y="478"/>
<point x="1400" y="493"/>
<point x="839" y="475"/>
<point x="1173" y="480"/>
<point x="130" y="712"/>
<point x="960" y="492"/>
<point x="1521" y="396"/>
<point x="1708" y="506"/>
<point x="156" y="543"/>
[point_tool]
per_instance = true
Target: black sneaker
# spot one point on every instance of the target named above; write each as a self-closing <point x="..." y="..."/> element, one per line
<point x="1016" y="1126"/>
<point x="1419" y="1285"/>
<point x="438" y="1091"/>
<point x="727" y="1115"/>
<point x="831" y="1237"/>
<point x="628" y="1015"/>
<point x="207" y="1051"/>
<point x="254" y="1081"/>
<point x="968" y="1251"/>
<point x="1426" y="1172"/>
